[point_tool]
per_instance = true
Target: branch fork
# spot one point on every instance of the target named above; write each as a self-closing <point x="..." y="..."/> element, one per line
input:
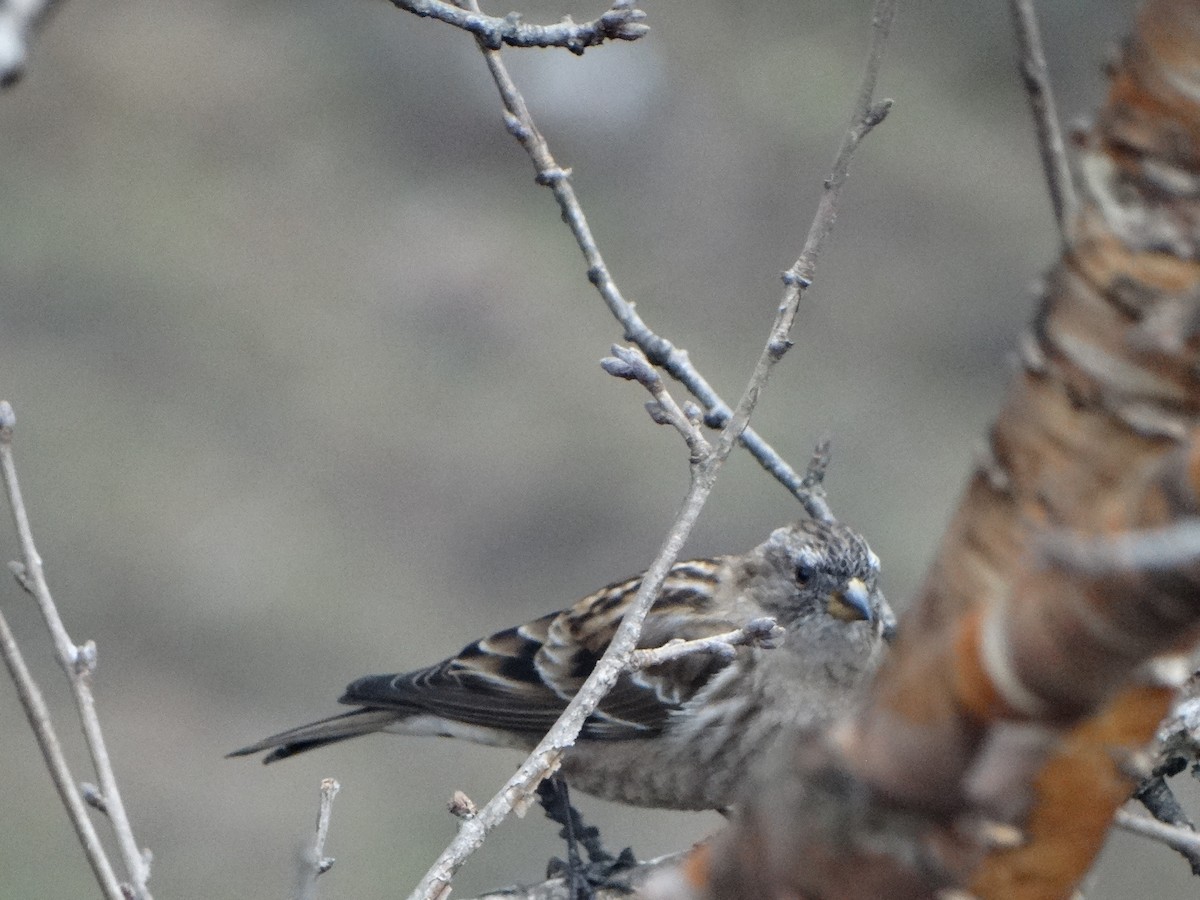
<point x="78" y="662"/>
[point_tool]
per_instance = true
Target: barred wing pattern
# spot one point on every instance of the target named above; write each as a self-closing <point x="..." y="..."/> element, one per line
<point x="521" y="679"/>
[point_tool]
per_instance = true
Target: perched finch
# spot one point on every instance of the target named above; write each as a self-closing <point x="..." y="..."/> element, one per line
<point x="683" y="734"/>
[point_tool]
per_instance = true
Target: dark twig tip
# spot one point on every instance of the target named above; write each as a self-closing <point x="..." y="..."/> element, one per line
<point x="617" y="368"/>
<point x="84" y="661"/>
<point x="657" y="413"/>
<point x="21" y="574"/>
<point x="516" y="127"/>
<point x="778" y="348"/>
<point x="92" y="796"/>
<point x="552" y="177"/>
<point x="792" y="278"/>
<point x="878" y="112"/>
<point x="638" y="366"/>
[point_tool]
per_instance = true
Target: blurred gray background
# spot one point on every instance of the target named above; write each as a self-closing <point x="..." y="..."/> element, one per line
<point x="305" y="373"/>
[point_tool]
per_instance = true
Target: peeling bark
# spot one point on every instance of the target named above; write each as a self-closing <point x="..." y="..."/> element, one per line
<point x="1035" y="665"/>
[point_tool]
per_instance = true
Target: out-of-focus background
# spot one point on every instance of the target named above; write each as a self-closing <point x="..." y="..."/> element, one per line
<point x="305" y="373"/>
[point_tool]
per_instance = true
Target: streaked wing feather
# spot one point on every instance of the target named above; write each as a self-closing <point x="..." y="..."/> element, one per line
<point x="521" y="679"/>
<point x="491" y="683"/>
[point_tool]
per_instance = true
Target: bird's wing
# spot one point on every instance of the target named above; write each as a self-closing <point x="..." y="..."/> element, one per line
<point x="520" y="680"/>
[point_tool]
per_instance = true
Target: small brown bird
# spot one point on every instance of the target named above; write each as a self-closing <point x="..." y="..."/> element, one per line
<point x="680" y="735"/>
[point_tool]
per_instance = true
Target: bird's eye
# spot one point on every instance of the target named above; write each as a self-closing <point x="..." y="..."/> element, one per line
<point x="804" y="573"/>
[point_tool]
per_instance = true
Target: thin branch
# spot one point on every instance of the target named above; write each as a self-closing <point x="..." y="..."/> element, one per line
<point x="757" y="633"/>
<point x="622" y="22"/>
<point x="659" y="350"/>
<point x="316" y="863"/>
<point x="78" y="662"/>
<point x="630" y="883"/>
<point x="19" y="20"/>
<point x="1160" y="801"/>
<point x="546" y="757"/>
<point x="43" y="731"/>
<point x="631" y="363"/>
<point x="864" y="117"/>
<point x="1125" y="553"/>
<point x="1036" y="78"/>
<point x="1182" y="840"/>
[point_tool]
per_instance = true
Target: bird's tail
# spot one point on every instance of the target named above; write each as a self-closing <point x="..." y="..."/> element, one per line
<point x="318" y="734"/>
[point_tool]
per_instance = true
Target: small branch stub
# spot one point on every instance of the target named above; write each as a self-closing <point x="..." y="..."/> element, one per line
<point x="92" y="796"/>
<point x="84" y="661"/>
<point x="764" y="633"/>
<point x="18" y="570"/>
<point x="462" y="807"/>
<point x="313" y="863"/>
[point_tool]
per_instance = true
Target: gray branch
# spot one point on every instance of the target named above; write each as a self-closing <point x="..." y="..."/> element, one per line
<point x="1036" y="78"/>
<point x="1127" y="553"/>
<point x="630" y="363"/>
<point x="757" y="632"/>
<point x="19" y="21"/>
<point x="78" y="662"/>
<point x="658" y="350"/>
<point x="71" y="794"/>
<point x="622" y="22"/>
<point x="630" y="883"/>
<point x="517" y="793"/>
<point x="1181" y="840"/>
<point x="316" y="863"/>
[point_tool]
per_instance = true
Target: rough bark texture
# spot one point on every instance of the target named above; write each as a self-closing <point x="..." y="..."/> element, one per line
<point x="1007" y="727"/>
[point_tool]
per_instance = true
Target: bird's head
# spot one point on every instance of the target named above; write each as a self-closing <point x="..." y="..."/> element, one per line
<point x="821" y="577"/>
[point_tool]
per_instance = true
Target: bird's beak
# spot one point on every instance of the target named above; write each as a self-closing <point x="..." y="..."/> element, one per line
<point x="852" y="603"/>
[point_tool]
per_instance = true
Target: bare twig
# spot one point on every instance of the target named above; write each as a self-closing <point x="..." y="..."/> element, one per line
<point x="631" y="363"/>
<point x="659" y="350"/>
<point x="1053" y="152"/>
<point x="865" y="116"/>
<point x="1143" y="550"/>
<point x="630" y="883"/>
<point x="78" y="662"/>
<point x="1160" y="801"/>
<point x="19" y="19"/>
<point x="329" y="790"/>
<point x="43" y="731"/>
<point x="622" y="22"/>
<point x="546" y="757"/>
<point x="316" y="863"/>
<point x="757" y="632"/>
<point x="1182" y="840"/>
